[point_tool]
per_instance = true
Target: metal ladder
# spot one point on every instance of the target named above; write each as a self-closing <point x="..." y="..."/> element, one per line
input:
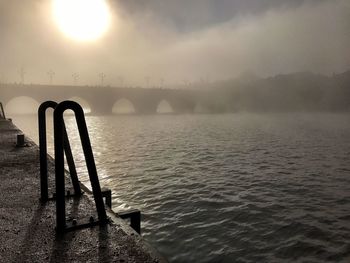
<point x="62" y="147"/>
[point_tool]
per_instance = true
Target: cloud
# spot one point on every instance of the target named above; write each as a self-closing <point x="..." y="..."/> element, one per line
<point x="309" y="36"/>
<point x="190" y="15"/>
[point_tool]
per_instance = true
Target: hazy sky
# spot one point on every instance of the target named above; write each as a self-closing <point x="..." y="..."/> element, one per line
<point x="178" y="40"/>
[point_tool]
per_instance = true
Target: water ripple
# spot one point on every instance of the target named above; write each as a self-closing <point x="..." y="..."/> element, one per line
<point x="230" y="188"/>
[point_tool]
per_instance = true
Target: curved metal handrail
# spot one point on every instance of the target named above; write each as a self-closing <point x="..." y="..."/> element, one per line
<point x="43" y="153"/>
<point x="59" y="163"/>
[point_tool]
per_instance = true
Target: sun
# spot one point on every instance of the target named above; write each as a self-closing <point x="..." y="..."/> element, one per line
<point x="82" y="20"/>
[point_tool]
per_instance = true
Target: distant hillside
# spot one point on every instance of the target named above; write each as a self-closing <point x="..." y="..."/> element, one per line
<point x="302" y="91"/>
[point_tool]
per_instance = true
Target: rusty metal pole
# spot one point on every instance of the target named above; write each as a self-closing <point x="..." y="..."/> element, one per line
<point x="43" y="148"/>
<point x="59" y="172"/>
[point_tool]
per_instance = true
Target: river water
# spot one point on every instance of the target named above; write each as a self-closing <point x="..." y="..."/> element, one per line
<point x="228" y="188"/>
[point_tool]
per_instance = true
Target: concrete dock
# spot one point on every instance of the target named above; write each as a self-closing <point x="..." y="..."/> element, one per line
<point x="27" y="227"/>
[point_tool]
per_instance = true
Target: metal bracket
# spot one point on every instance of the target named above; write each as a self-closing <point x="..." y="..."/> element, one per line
<point x="135" y="218"/>
<point x="67" y="195"/>
<point x="107" y="194"/>
<point x="73" y="225"/>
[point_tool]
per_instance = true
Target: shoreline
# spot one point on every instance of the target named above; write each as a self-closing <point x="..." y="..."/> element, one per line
<point x="27" y="227"/>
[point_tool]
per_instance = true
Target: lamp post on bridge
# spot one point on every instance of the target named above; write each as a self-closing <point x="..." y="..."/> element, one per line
<point x="2" y="79"/>
<point x="75" y="77"/>
<point x="102" y="78"/>
<point x="185" y="82"/>
<point x="147" y="79"/>
<point x="161" y="82"/>
<point x="21" y="73"/>
<point x="121" y="81"/>
<point x="51" y="74"/>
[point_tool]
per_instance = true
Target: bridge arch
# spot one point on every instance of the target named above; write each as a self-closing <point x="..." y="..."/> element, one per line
<point x="101" y="100"/>
<point x="200" y="108"/>
<point x="83" y="103"/>
<point x="123" y="106"/>
<point x="21" y="105"/>
<point x="164" y="107"/>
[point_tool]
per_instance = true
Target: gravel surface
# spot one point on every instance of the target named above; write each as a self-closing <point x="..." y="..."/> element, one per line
<point x="27" y="228"/>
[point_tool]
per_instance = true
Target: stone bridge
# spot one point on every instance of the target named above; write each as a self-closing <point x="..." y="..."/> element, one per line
<point x="102" y="99"/>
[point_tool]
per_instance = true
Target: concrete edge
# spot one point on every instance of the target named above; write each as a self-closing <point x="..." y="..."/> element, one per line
<point x="116" y="220"/>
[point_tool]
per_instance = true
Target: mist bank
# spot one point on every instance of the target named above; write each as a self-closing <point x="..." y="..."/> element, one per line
<point x="303" y="91"/>
<point x="297" y="92"/>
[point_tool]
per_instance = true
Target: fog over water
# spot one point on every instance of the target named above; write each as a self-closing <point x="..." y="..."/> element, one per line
<point x="226" y="122"/>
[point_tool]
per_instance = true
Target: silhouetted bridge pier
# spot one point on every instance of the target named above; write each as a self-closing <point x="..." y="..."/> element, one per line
<point x="102" y="99"/>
